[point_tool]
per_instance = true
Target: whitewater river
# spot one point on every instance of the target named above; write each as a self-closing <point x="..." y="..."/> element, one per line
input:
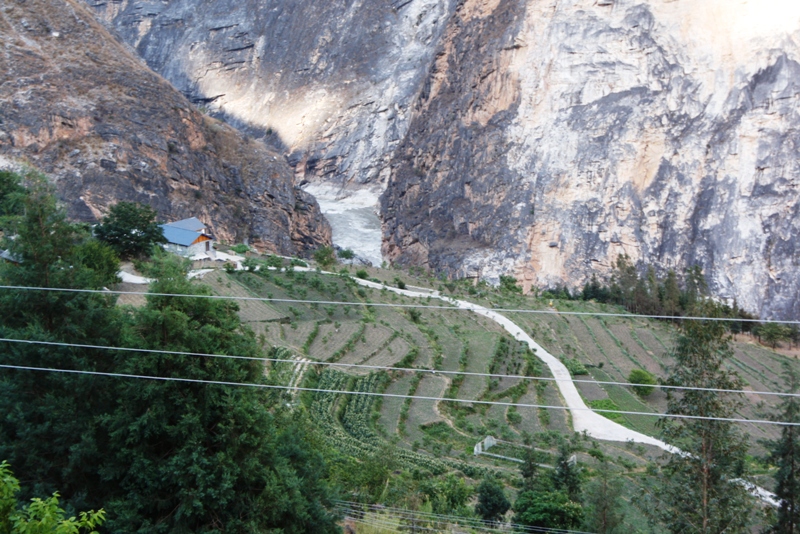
<point x="354" y="220"/>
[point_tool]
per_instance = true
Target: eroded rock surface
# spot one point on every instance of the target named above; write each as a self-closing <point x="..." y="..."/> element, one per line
<point x="540" y="138"/>
<point x="79" y="106"/>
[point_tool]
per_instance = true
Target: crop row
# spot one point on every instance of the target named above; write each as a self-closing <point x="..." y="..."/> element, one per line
<point x="353" y="434"/>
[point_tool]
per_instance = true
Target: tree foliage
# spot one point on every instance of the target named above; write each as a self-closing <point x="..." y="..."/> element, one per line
<point x="547" y="509"/>
<point x="603" y="502"/>
<point x="41" y="516"/>
<point x="645" y="380"/>
<point x="159" y="456"/>
<point x="130" y="229"/>
<point x="325" y="256"/>
<point x="784" y="453"/>
<point x="492" y="501"/>
<point x="701" y="490"/>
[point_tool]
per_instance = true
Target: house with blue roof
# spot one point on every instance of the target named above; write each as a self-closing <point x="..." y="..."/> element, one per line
<point x="189" y="237"/>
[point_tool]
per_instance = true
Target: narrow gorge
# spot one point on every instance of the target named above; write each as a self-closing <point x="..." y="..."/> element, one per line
<point x="539" y="138"/>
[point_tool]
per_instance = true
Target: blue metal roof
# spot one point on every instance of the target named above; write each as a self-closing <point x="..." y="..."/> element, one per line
<point x="192" y="223"/>
<point x="179" y="236"/>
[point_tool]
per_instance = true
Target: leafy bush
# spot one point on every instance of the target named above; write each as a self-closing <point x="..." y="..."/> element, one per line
<point x="509" y="284"/>
<point x="241" y="248"/>
<point x="640" y="376"/>
<point x="575" y="367"/>
<point x="325" y="256"/>
<point x="361" y="273"/>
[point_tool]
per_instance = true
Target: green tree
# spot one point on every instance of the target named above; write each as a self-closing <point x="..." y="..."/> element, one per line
<point x="40" y="516"/>
<point x="603" y="501"/>
<point x="567" y="475"/>
<point x="12" y="199"/>
<point x="509" y="284"/>
<point x="492" y="501"/>
<point x="130" y="229"/>
<point x="159" y="455"/>
<point x="547" y="509"/>
<point x="784" y="452"/>
<point x="530" y="468"/>
<point x="701" y="490"/>
<point x="447" y="496"/>
<point x="773" y="333"/>
<point x="671" y="294"/>
<point x="347" y="254"/>
<point x="199" y="457"/>
<point x="640" y="376"/>
<point x="325" y="257"/>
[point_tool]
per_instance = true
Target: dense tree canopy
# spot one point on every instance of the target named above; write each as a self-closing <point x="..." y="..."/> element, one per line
<point x="130" y="229"/>
<point x="158" y="455"/>
<point x="701" y="491"/>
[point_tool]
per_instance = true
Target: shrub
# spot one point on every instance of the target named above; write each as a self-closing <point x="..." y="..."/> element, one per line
<point x="361" y="273"/>
<point x="575" y="367"/>
<point x="241" y="248"/>
<point x="509" y="284"/>
<point x="640" y="376"/>
<point x="325" y="256"/>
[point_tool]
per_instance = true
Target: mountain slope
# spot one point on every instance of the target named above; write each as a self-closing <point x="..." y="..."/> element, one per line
<point x="78" y="105"/>
<point x="531" y="137"/>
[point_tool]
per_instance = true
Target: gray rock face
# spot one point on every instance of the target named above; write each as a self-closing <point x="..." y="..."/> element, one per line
<point x="539" y="138"/>
<point x="329" y="82"/>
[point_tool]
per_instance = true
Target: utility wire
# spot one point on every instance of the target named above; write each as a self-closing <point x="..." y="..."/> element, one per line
<point x="355" y="506"/>
<point x="477" y="307"/>
<point x="392" y="395"/>
<point x="388" y="368"/>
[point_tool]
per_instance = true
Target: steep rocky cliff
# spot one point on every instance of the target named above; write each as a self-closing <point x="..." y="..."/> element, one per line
<point x="79" y="106"/>
<point x="536" y="137"/>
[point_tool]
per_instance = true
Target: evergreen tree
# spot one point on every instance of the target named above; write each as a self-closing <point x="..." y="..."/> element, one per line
<point x="603" y="502"/>
<point x="130" y="229"/>
<point x="785" y="454"/>
<point x="701" y="490"/>
<point x="671" y="294"/>
<point x="567" y="474"/>
<point x="492" y="500"/>
<point x="199" y="457"/>
<point x="159" y="456"/>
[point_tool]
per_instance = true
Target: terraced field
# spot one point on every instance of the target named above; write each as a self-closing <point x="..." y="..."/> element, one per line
<point x="454" y="342"/>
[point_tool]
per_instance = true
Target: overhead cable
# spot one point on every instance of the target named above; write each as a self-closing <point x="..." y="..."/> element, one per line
<point x="388" y="368"/>
<point x="393" y="395"/>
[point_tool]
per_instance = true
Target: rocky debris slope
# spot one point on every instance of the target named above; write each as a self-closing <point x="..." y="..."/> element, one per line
<point x="78" y="105"/>
<point x="540" y="138"/>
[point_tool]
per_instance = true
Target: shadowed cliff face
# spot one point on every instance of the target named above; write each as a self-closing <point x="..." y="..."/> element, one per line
<point x="540" y="138"/>
<point x="80" y="107"/>
<point x="329" y="82"/>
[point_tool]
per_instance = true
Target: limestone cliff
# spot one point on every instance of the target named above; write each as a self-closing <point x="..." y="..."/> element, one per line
<point x="536" y="137"/>
<point x="78" y="105"/>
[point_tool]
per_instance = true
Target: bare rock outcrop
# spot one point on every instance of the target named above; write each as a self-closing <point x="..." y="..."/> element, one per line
<point x="78" y="105"/>
<point x="539" y="138"/>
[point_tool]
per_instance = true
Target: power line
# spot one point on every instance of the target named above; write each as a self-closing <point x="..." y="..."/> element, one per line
<point x="467" y="306"/>
<point x="388" y="368"/>
<point x="402" y="512"/>
<point x="391" y="395"/>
